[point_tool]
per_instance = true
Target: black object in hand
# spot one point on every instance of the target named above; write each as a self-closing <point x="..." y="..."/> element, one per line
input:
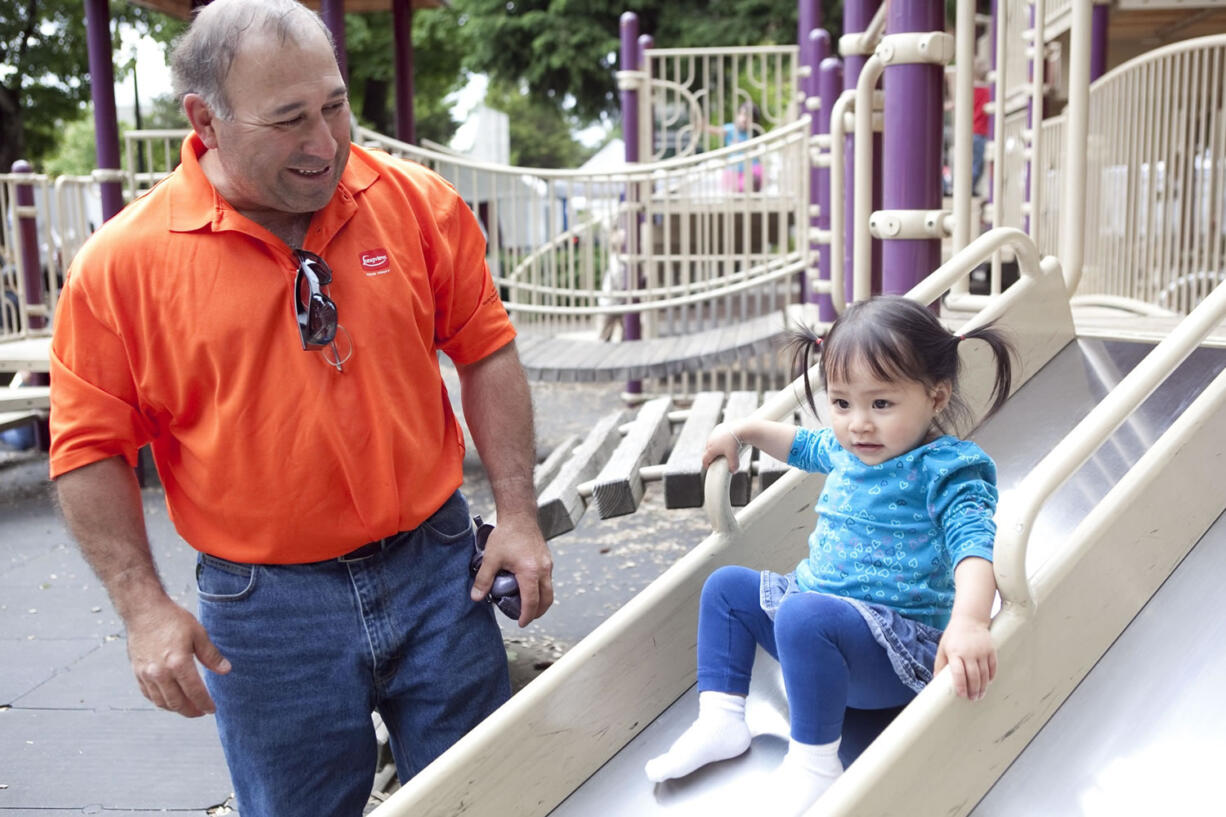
<point x="504" y="592"/>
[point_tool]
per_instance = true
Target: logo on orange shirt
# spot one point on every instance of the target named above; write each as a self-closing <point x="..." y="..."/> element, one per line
<point x="376" y="262"/>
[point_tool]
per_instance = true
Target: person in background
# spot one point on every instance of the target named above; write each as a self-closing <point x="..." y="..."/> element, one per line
<point x="268" y="318"/>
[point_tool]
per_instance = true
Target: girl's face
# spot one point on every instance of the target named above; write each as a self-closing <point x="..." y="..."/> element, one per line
<point x="878" y="420"/>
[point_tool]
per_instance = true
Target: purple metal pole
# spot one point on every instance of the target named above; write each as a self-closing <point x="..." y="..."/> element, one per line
<point x="629" y="29"/>
<point x="817" y="44"/>
<point x="31" y="264"/>
<point x="32" y="278"/>
<point x="857" y="14"/>
<point x="990" y="168"/>
<point x="333" y="14"/>
<point x="912" y="156"/>
<point x="830" y="84"/>
<point x="102" y="89"/>
<point x="402" y="28"/>
<point x="1098" y="40"/>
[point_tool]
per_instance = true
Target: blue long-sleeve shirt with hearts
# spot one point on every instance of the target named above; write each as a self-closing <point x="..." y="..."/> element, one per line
<point x="892" y="533"/>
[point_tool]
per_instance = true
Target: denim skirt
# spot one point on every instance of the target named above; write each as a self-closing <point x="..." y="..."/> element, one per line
<point x="911" y="645"/>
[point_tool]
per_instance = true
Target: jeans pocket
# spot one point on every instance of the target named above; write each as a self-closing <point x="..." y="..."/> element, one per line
<point x="220" y="580"/>
<point x="450" y="523"/>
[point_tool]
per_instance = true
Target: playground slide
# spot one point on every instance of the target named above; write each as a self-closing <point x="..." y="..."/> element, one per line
<point x="541" y="748"/>
<point x="1087" y="730"/>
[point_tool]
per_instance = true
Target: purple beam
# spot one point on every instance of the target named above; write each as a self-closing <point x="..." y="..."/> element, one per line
<point x="1098" y="40"/>
<point x="333" y="14"/>
<point x="857" y="14"/>
<point x="629" y="29"/>
<point x="817" y="44"/>
<point x="31" y="264"/>
<point x="102" y="89"/>
<point x="808" y="18"/>
<point x="830" y="85"/>
<point x="912" y="157"/>
<point x="402" y="28"/>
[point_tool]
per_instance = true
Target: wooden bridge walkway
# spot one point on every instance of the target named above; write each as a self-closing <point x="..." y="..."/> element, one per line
<point x="611" y="466"/>
<point x="569" y="359"/>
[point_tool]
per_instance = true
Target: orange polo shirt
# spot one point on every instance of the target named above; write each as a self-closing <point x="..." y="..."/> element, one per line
<point x="176" y="327"/>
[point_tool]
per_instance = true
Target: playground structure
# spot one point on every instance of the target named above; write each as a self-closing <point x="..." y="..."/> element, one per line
<point x="1114" y="207"/>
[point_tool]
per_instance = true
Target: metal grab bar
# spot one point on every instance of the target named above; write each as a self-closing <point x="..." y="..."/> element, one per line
<point x="1016" y="514"/>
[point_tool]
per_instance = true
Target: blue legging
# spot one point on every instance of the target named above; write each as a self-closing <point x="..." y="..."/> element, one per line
<point x="829" y="658"/>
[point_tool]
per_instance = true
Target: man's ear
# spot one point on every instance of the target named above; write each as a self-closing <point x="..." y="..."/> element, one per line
<point x="202" y="119"/>
<point x="941" y="394"/>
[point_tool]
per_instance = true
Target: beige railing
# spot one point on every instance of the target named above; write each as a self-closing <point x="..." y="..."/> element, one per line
<point x="695" y="91"/>
<point x="1156" y="215"/>
<point x="59" y="221"/>
<point x="687" y="243"/>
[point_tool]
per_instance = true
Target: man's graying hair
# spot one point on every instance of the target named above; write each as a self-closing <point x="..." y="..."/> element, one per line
<point x="202" y="57"/>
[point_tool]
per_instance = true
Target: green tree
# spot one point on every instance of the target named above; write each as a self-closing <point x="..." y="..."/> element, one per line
<point x="567" y="50"/>
<point x="540" y="131"/>
<point x="75" y="153"/>
<point x="437" y="56"/>
<point x="44" y="69"/>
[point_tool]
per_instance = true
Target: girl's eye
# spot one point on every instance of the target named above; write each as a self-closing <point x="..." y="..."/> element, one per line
<point x="840" y="404"/>
<point x="881" y="404"/>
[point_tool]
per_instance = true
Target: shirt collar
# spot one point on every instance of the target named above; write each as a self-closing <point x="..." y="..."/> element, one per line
<point x="195" y="204"/>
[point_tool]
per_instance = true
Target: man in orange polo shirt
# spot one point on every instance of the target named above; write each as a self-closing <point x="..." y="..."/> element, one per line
<point x="268" y="318"/>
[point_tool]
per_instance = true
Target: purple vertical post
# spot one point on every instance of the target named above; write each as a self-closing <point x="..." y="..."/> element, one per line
<point x="31" y="264"/>
<point x="857" y="15"/>
<point x="629" y="29"/>
<point x="402" y="41"/>
<point x="830" y="85"/>
<point x="817" y="43"/>
<point x="911" y="160"/>
<point x="32" y="279"/>
<point x="1098" y="40"/>
<point x="990" y="168"/>
<point x="807" y="13"/>
<point x="333" y="14"/>
<point x="102" y="90"/>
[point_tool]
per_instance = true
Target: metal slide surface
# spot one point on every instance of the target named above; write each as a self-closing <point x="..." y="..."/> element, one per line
<point x="1154" y="689"/>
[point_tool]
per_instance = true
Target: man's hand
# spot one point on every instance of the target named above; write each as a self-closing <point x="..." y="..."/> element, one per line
<point x="516" y="544"/>
<point x="163" y="645"/>
<point x="967" y="648"/>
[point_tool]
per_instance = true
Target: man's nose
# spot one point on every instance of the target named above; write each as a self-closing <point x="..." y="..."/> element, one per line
<point x="319" y="140"/>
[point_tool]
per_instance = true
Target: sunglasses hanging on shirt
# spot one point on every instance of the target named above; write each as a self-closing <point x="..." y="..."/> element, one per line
<point x="315" y="312"/>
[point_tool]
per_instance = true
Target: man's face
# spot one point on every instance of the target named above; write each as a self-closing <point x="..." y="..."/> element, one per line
<point x="285" y="145"/>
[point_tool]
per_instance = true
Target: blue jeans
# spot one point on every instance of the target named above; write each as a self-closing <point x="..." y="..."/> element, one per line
<point x="979" y="143"/>
<point x="829" y="657"/>
<point x="315" y="648"/>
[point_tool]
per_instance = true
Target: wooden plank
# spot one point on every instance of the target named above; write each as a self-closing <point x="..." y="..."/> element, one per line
<point x="546" y="470"/>
<point x="683" y="473"/>
<point x="26" y="355"/>
<point x="26" y="398"/>
<point x="559" y="506"/>
<point x="619" y="487"/>
<point x="741" y="404"/>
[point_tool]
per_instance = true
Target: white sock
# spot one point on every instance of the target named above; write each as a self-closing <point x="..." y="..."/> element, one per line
<point x="718" y="734"/>
<point x="804" y="775"/>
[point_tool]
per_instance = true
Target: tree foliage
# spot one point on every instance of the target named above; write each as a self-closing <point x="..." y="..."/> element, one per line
<point x="44" y="69"/>
<point x="540" y="132"/>
<point x="568" y="49"/>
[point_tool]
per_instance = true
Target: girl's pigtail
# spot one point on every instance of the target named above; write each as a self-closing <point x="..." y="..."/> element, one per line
<point x="805" y="344"/>
<point x="1002" y="349"/>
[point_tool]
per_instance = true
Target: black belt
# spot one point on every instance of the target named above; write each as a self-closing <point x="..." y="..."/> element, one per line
<point x="371" y="548"/>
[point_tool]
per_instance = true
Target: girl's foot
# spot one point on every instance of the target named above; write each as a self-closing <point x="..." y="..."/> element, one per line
<point x="718" y="734"/>
<point x="804" y="775"/>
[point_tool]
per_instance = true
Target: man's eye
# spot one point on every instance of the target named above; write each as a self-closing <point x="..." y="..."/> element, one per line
<point x="335" y="107"/>
<point x="288" y="123"/>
